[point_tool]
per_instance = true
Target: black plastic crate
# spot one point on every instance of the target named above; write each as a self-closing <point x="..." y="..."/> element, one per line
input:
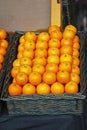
<point x="45" y="104"/>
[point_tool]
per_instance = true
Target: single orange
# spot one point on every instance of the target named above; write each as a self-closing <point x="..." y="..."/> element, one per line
<point x="65" y="66"/>
<point x="21" y="78"/>
<point x="75" y="69"/>
<point x="75" y="61"/>
<point x="68" y="34"/>
<point x="29" y="89"/>
<point x="20" y="47"/>
<point x="66" y="50"/>
<point x="65" y="58"/>
<point x="49" y="77"/>
<point x="43" y="88"/>
<point x="16" y="62"/>
<point x="39" y="60"/>
<point x="41" y="52"/>
<point x="52" y="67"/>
<point x="53" y="28"/>
<point x="71" y="87"/>
<point x="26" y="61"/>
<point x="76" y="52"/>
<point x="29" y="44"/>
<point x="54" y="42"/>
<point x="22" y="39"/>
<point x="76" y="39"/>
<point x="56" y="34"/>
<point x="4" y="43"/>
<point x="71" y="27"/>
<point x="14" y="71"/>
<point x="25" y="68"/>
<point x="2" y="51"/>
<point x="75" y="77"/>
<point x="66" y="41"/>
<point x="28" y="53"/>
<point x="35" y="78"/>
<point x="41" y="44"/>
<point x="76" y="45"/>
<point x="53" y="59"/>
<point x="14" y="89"/>
<point x="3" y="34"/>
<point x="53" y="51"/>
<point x="38" y="68"/>
<point x="63" y="76"/>
<point x="30" y="36"/>
<point x="43" y="36"/>
<point x="57" y="88"/>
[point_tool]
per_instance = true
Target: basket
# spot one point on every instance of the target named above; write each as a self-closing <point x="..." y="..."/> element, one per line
<point x="45" y="104"/>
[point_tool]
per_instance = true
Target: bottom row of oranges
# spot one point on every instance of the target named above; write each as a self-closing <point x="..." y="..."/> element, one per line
<point x="43" y="88"/>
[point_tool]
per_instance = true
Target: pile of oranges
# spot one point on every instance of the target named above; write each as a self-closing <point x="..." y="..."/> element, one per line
<point x="47" y="62"/>
<point x="3" y="46"/>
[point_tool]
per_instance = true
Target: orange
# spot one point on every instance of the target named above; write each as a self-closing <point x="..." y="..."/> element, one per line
<point x="3" y="34"/>
<point x="53" y="51"/>
<point x="14" y="89"/>
<point x="76" y="52"/>
<point x="75" y="69"/>
<point x="2" y="51"/>
<point x="52" y="67"/>
<point x="0" y="66"/>
<point x="39" y="60"/>
<point x="4" y="43"/>
<point x="19" y="55"/>
<point x="25" y="68"/>
<point x="43" y="36"/>
<point x="49" y="77"/>
<point x="20" y="47"/>
<point x="65" y="58"/>
<point x="25" y="61"/>
<point x="35" y="78"/>
<point x="16" y="62"/>
<point x="63" y="76"/>
<point x="71" y="87"/>
<point x="43" y="88"/>
<point x="57" y="88"/>
<point x="66" y="50"/>
<point x="22" y="39"/>
<point x="29" y="44"/>
<point x="14" y="71"/>
<point x="1" y="58"/>
<point x="75" y="77"/>
<point x="56" y="34"/>
<point x="53" y="28"/>
<point x="28" y="53"/>
<point x="54" y="42"/>
<point x="65" y="66"/>
<point x="76" y="45"/>
<point x="71" y="27"/>
<point x="76" y="39"/>
<point x="66" y="41"/>
<point x="68" y="34"/>
<point x="38" y="68"/>
<point x="41" y="44"/>
<point x="41" y="52"/>
<point x="30" y="36"/>
<point x="53" y="59"/>
<point x="21" y="78"/>
<point x="29" y="89"/>
<point x="75" y="61"/>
